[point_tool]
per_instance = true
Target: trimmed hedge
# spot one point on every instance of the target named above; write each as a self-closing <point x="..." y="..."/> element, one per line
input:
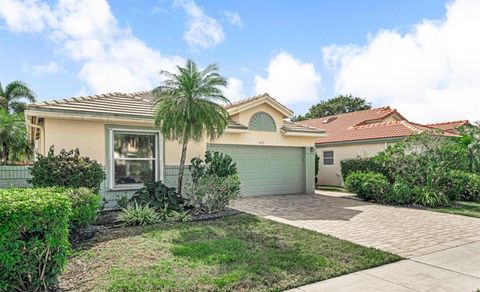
<point x="460" y="185"/>
<point x="33" y="238"/>
<point x="364" y="164"/>
<point x="67" y="169"/>
<point x="85" y="205"/>
<point x="368" y="185"/>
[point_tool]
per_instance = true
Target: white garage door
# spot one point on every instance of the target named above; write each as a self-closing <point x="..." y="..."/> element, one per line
<point x="265" y="170"/>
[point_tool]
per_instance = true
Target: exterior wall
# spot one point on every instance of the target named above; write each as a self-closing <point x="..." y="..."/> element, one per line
<point x="331" y="174"/>
<point x="90" y="138"/>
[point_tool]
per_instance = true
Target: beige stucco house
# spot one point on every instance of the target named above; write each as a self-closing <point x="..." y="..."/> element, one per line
<point x="273" y="155"/>
<point x="363" y="134"/>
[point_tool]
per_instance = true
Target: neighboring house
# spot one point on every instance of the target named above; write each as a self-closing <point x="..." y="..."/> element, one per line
<point x="273" y="155"/>
<point x="364" y="134"/>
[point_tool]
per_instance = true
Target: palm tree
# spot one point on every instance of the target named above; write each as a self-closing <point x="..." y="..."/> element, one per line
<point x="187" y="106"/>
<point x="14" y="144"/>
<point x="12" y="99"/>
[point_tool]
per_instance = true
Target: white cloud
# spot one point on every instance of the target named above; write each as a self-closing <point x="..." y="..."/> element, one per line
<point x="86" y="31"/>
<point x="203" y="31"/>
<point x="235" y="90"/>
<point x="233" y="18"/>
<point x="25" y="16"/>
<point x="430" y="73"/>
<point x="48" y="68"/>
<point x="290" y="80"/>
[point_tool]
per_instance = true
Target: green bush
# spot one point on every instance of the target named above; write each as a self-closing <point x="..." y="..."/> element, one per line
<point x="368" y="185"/>
<point x="460" y="185"/>
<point x="136" y="214"/>
<point x="157" y="195"/>
<point x="364" y="164"/>
<point x="401" y="194"/>
<point x="85" y="205"/>
<point x="213" y="193"/>
<point x="67" y="169"/>
<point x="215" y="164"/>
<point x="430" y="197"/>
<point x="33" y="238"/>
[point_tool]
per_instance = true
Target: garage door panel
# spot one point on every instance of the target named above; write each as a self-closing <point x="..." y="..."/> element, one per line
<point x="265" y="170"/>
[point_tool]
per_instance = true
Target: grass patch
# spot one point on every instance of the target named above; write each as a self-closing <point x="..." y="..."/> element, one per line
<point x="471" y="209"/>
<point x="241" y="252"/>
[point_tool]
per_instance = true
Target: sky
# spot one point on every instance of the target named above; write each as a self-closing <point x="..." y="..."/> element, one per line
<point x="419" y="56"/>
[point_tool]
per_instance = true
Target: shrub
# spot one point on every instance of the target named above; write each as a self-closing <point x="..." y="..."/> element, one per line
<point x="85" y="205"/>
<point x="33" y="238"/>
<point x="213" y="193"/>
<point x="122" y="202"/>
<point x="216" y="164"/>
<point x="460" y="185"/>
<point x="157" y="195"/>
<point x="136" y="214"/>
<point x="167" y="214"/>
<point x="365" y="164"/>
<point x="429" y="197"/>
<point x="67" y="169"/>
<point x="401" y="194"/>
<point x="368" y="185"/>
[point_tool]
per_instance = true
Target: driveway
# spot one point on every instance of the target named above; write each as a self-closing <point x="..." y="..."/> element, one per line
<point x="442" y="250"/>
<point x="406" y="232"/>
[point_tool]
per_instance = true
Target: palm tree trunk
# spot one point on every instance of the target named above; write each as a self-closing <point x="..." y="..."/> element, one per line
<point x="182" y="164"/>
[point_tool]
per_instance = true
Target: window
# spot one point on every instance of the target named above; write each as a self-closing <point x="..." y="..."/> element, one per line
<point x="262" y="122"/>
<point x="134" y="158"/>
<point x="328" y="158"/>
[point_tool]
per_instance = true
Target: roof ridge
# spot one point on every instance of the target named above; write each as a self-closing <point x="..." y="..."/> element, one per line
<point x="449" y="122"/>
<point x="93" y="96"/>
<point x="355" y="112"/>
<point x="372" y="125"/>
<point x="247" y="99"/>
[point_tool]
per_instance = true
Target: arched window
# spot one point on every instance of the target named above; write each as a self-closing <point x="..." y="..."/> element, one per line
<point x="262" y="121"/>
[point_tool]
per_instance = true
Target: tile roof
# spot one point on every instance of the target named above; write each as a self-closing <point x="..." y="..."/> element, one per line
<point x="254" y="98"/>
<point x="116" y="104"/>
<point x="449" y="126"/>
<point x="367" y="125"/>
<point x="137" y="104"/>
<point x="289" y="126"/>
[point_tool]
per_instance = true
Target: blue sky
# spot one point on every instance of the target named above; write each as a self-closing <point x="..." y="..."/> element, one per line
<point x="299" y="51"/>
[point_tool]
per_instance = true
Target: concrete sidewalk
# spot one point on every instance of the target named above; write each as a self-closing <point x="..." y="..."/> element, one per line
<point x="454" y="269"/>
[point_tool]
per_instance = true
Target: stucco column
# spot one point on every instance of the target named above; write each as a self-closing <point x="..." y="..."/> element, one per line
<point x="309" y="159"/>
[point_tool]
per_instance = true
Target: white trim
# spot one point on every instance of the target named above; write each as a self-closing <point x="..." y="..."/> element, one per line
<point x="105" y="117"/>
<point x="158" y="160"/>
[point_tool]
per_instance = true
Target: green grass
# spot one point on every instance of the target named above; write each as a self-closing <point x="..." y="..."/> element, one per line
<point x="471" y="209"/>
<point x="241" y="252"/>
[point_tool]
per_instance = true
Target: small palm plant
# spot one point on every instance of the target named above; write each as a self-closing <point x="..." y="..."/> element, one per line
<point x="187" y="105"/>
<point x="14" y="144"/>
<point x="13" y="97"/>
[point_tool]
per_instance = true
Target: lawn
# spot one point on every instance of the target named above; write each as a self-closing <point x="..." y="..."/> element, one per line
<point x="331" y="188"/>
<point x="241" y="252"/>
<point x="471" y="209"/>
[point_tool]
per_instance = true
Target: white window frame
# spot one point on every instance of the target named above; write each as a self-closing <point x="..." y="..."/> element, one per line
<point x="333" y="157"/>
<point x="158" y="160"/>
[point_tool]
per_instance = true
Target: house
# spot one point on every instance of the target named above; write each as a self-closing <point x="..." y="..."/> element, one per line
<point x="273" y="155"/>
<point x="364" y="134"/>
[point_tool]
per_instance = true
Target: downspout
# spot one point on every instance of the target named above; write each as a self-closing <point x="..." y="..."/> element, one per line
<point x="42" y="136"/>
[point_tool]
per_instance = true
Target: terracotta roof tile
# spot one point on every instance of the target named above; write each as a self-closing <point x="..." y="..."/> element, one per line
<point x="449" y="126"/>
<point x="367" y="125"/>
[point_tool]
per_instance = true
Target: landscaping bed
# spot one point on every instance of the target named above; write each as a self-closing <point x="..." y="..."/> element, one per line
<point x="239" y="252"/>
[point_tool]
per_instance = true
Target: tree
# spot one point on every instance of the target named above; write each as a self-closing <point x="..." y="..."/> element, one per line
<point x="12" y="98"/>
<point x="14" y="144"/>
<point x="470" y="139"/>
<point x="340" y="104"/>
<point x="187" y="106"/>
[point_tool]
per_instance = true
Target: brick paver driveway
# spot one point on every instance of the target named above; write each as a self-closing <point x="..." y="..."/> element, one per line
<point x="403" y="231"/>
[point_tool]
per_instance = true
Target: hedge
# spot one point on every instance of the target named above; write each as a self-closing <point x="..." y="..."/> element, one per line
<point x="368" y="185"/>
<point x="365" y="164"/>
<point x="33" y="238"/>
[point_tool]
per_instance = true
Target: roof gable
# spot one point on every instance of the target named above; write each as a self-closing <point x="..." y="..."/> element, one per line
<point x="248" y="103"/>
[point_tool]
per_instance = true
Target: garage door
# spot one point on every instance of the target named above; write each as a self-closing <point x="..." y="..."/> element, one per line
<point x="267" y="170"/>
